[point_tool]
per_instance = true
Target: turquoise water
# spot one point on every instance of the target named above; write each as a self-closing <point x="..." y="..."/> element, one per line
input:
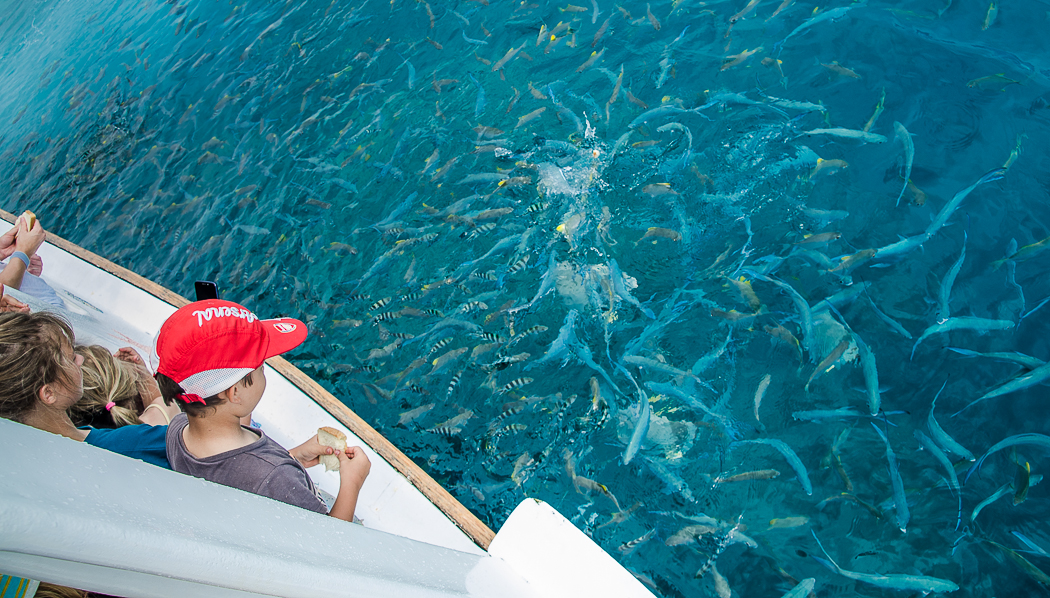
<point x="329" y="161"/>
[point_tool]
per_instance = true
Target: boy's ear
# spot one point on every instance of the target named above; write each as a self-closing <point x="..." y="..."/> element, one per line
<point x="230" y="395"/>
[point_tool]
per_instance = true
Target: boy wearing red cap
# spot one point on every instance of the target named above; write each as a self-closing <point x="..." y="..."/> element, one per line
<point x="210" y="357"/>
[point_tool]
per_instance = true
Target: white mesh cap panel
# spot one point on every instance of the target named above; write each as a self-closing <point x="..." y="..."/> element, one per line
<point x="212" y="382"/>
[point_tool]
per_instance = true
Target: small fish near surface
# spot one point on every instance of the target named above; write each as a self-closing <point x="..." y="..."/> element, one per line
<point x="996" y="82"/>
<point x="837" y="69"/>
<point x="841" y="133"/>
<point x="747" y="476"/>
<point x="251" y="229"/>
<point x="658" y="189"/>
<point x="654" y="233"/>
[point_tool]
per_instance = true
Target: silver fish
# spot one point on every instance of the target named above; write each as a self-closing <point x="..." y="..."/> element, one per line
<point x="949" y="208"/>
<point x="943" y="309"/>
<point x="909" y="154"/>
<point x="893" y="581"/>
<point x="789" y="455"/>
<point x="1036" y="376"/>
<point x="1031" y="438"/>
<point x="943" y="439"/>
<point x="641" y="429"/>
<point x="848" y="134"/>
<point x="804" y="312"/>
<point x="1003" y="490"/>
<point x="826" y="15"/>
<point x="900" y="500"/>
<point x="871" y="375"/>
<point x="803" y="589"/>
<point x="938" y="454"/>
<point x="979" y="325"/>
<point x="1026" y="361"/>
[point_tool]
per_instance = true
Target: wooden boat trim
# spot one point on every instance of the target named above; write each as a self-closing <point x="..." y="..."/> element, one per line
<point x="464" y="519"/>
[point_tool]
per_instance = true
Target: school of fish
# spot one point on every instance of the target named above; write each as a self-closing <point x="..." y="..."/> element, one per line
<point x="749" y="290"/>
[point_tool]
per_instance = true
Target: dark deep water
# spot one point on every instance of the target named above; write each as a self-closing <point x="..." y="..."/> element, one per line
<point x="364" y="167"/>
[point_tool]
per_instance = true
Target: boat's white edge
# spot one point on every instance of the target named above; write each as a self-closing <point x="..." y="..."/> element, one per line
<point x="76" y="515"/>
<point x="536" y="541"/>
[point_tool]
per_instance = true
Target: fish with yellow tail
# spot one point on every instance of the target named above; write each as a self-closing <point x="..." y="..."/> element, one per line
<point x="743" y="288"/>
<point x="878" y="112"/>
<point x="1024" y="253"/>
<point x="510" y="55"/>
<point x="529" y="117"/>
<point x="989" y="17"/>
<point x="595" y="56"/>
<point x="730" y="61"/>
<point x="827" y="167"/>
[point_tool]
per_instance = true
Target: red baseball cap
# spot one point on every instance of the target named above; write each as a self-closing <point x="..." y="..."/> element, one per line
<point x="208" y="346"/>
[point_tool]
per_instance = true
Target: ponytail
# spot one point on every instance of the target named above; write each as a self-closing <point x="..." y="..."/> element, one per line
<point x="110" y="390"/>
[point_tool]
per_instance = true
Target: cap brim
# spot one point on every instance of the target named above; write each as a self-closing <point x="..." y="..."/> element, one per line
<point x="284" y="334"/>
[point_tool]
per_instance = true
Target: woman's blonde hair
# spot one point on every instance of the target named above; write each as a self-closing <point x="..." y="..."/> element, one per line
<point x="31" y="357"/>
<point x="106" y="380"/>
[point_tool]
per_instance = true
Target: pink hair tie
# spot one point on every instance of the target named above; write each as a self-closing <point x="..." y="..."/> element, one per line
<point x="191" y="398"/>
<point x="110" y="405"/>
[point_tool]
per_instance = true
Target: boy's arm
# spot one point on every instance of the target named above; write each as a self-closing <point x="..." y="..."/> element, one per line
<point x="353" y="469"/>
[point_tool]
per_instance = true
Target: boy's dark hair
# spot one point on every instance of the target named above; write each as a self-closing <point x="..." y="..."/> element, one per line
<point x="170" y="390"/>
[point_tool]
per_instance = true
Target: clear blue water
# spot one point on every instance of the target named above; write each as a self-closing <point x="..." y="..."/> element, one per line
<point x="315" y="158"/>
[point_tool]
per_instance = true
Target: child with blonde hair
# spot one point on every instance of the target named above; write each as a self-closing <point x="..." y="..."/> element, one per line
<point x="118" y="391"/>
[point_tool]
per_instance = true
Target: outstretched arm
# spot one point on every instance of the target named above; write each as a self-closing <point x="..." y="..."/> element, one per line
<point x="26" y="240"/>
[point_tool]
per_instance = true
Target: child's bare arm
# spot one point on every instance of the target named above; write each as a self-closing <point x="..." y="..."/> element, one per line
<point x="353" y="469"/>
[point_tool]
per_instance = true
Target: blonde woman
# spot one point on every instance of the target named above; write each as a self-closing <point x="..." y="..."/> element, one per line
<point x="118" y="391"/>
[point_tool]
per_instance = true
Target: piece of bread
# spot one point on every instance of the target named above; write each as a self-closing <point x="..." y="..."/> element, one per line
<point x="335" y="439"/>
<point x="30" y="219"/>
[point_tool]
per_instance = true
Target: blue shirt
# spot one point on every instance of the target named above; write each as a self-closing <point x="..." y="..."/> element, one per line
<point x="143" y="442"/>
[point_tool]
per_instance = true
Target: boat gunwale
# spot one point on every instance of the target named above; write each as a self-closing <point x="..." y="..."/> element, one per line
<point x="461" y="516"/>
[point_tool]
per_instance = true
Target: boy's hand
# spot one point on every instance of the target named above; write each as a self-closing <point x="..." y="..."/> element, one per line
<point x="353" y="469"/>
<point x="308" y="452"/>
<point x="353" y="466"/>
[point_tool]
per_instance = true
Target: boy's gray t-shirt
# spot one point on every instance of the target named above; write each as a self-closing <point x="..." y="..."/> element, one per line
<point x="262" y="467"/>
